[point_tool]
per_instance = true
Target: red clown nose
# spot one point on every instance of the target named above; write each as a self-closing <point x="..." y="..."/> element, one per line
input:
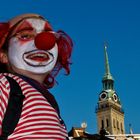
<point x="45" y="41"/>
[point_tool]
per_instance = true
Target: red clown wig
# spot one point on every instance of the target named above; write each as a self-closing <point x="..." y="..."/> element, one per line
<point x="63" y="41"/>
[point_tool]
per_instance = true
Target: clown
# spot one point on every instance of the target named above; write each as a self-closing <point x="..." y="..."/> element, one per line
<point x="32" y="54"/>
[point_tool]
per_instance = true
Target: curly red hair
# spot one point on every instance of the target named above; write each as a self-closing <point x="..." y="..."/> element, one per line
<point x="65" y="46"/>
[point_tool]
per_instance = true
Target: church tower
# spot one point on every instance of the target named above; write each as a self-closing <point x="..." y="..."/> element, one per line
<point x="110" y="115"/>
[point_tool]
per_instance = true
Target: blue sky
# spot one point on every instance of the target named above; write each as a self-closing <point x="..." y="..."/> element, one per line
<point x="90" y="23"/>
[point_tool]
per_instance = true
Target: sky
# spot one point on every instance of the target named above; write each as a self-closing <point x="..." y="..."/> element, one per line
<point x="90" y="23"/>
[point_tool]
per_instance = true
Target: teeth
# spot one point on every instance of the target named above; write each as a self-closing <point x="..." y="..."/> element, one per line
<point x="37" y="55"/>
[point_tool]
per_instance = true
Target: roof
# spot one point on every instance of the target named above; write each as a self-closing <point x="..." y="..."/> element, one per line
<point x="79" y="134"/>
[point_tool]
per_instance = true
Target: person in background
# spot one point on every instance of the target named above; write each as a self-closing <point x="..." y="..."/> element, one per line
<point x="31" y="55"/>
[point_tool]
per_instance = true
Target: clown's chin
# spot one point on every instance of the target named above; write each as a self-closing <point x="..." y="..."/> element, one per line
<point x="39" y="69"/>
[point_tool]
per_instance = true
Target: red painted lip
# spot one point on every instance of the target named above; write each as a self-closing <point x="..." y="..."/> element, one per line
<point x="39" y="57"/>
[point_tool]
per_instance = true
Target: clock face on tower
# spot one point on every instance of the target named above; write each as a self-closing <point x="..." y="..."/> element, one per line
<point x="103" y="95"/>
<point x="115" y="98"/>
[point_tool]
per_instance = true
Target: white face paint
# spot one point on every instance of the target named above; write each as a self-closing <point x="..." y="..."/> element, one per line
<point x="23" y="53"/>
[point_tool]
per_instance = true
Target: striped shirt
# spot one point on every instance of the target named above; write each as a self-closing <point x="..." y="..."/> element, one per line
<point x="39" y="120"/>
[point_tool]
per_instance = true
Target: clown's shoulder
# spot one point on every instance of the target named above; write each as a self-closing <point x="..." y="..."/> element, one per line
<point x="4" y="96"/>
<point x="4" y="83"/>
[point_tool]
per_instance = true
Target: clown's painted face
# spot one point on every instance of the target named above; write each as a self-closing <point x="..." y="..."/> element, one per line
<point x="29" y="49"/>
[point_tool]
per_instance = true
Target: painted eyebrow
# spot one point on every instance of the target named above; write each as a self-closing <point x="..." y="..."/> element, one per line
<point x="21" y="30"/>
<point x="25" y="29"/>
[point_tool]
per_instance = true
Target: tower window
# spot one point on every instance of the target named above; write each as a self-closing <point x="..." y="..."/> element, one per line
<point x="109" y="85"/>
<point x="102" y="123"/>
<point x="107" y="123"/>
<point x="117" y="124"/>
<point x="114" y="123"/>
<point x="121" y="127"/>
<point x="105" y="85"/>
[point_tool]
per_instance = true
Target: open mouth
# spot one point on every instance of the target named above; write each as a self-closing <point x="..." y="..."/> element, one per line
<point x="38" y="58"/>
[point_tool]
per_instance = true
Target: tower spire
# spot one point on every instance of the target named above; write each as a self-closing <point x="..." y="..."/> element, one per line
<point x="108" y="81"/>
<point x="107" y="68"/>
<point x="107" y="75"/>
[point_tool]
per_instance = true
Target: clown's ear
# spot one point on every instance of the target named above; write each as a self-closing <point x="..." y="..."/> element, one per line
<point x="4" y="28"/>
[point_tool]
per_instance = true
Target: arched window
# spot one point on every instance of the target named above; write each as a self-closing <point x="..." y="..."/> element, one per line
<point x="114" y="123"/>
<point x="102" y="123"/>
<point x="118" y="124"/>
<point x="105" y="85"/>
<point x="107" y="122"/>
<point x="109" y="85"/>
<point x="122" y="127"/>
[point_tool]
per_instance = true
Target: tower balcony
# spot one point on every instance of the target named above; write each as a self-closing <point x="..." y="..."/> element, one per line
<point x="107" y="106"/>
